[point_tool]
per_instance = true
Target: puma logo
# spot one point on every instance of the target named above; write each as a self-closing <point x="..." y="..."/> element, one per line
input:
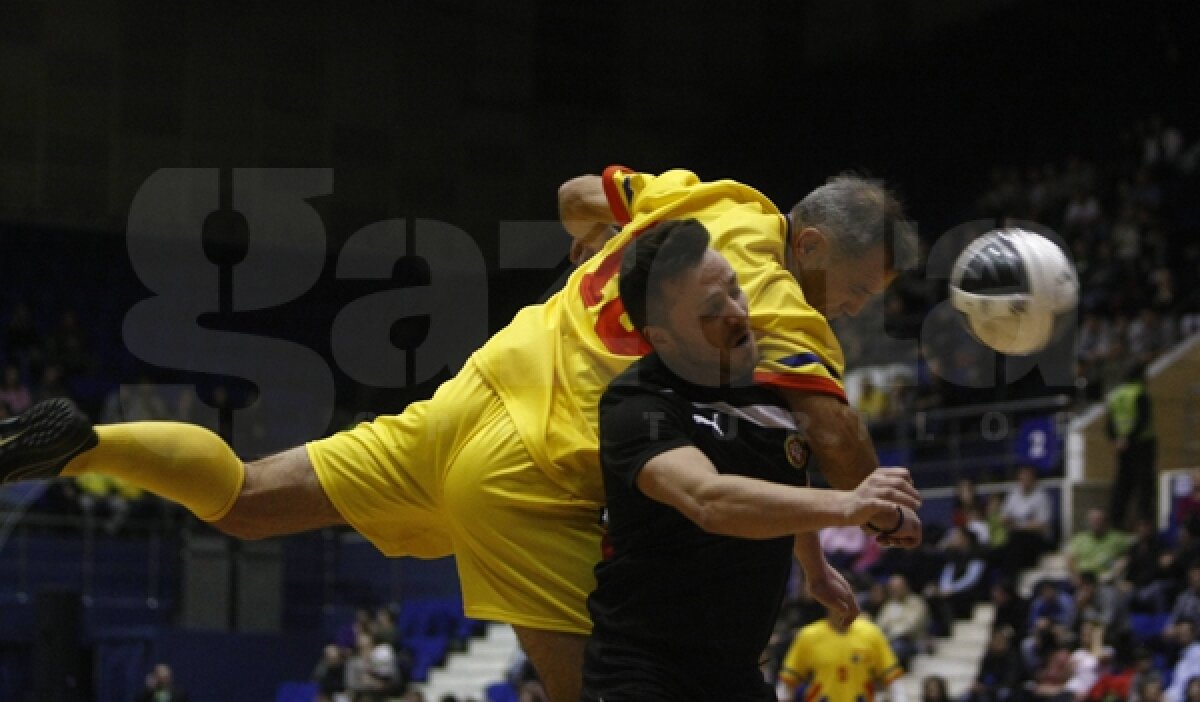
<point x="701" y="419"/>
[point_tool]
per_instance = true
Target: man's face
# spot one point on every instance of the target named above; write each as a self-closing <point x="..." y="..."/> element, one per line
<point x="839" y="285"/>
<point x="1097" y="522"/>
<point x="705" y="336"/>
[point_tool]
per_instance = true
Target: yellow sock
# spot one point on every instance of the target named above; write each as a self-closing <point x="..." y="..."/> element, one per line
<point x="184" y="463"/>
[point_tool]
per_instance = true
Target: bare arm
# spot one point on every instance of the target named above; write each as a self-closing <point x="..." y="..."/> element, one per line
<point x="585" y="214"/>
<point x="735" y="505"/>
<point x="824" y="583"/>
<point x="839" y="440"/>
<point x="837" y="436"/>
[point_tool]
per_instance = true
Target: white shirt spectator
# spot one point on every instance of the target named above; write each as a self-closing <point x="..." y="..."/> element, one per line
<point x="1084" y="673"/>
<point x="1187" y="667"/>
<point x="1022" y="508"/>
<point x="382" y="663"/>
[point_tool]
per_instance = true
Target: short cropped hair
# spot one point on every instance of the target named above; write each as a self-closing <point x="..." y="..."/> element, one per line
<point x="857" y="214"/>
<point x="658" y="256"/>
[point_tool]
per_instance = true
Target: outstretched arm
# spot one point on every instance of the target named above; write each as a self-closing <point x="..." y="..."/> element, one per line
<point x="736" y="505"/>
<point x="585" y="213"/>
<point x="839" y="441"/>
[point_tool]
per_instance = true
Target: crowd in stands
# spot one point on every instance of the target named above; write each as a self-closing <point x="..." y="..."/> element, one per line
<point x="1125" y="624"/>
<point x="1130" y="223"/>
<point x="365" y="662"/>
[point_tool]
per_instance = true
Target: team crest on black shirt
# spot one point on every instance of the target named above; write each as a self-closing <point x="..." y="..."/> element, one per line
<point x="796" y="450"/>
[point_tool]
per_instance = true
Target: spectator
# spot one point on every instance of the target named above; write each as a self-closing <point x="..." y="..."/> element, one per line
<point x="849" y="548"/>
<point x="1051" y="679"/>
<point x="965" y="500"/>
<point x="371" y="671"/>
<point x="161" y="687"/>
<point x="1115" y="680"/>
<point x="134" y="403"/>
<point x="14" y="393"/>
<point x="1085" y="661"/>
<point x="1144" y="575"/>
<point x="1011" y="610"/>
<point x="1187" y="606"/>
<point x="1149" y="335"/>
<point x="1051" y="605"/>
<point x="384" y="626"/>
<point x="330" y="674"/>
<point x="1082" y="214"/>
<point x="996" y="527"/>
<point x="51" y="384"/>
<point x="1001" y="672"/>
<point x="1098" y="548"/>
<point x="1192" y="692"/>
<point x="961" y="582"/>
<point x="1092" y="349"/>
<point x="904" y="620"/>
<point x="1143" y="668"/>
<point x="346" y="637"/>
<point x="933" y="689"/>
<point x="873" y="600"/>
<point x="1188" y="665"/>
<point x="1187" y="505"/>
<point x="1150" y="688"/>
<point x="1099" y="603"/>
<point x="1026" y="514"/>
<point x="101" y="494"/>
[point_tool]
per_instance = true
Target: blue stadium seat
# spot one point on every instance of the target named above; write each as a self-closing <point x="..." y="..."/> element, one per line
<point x="1147" y="626"/>
<point x="427" y="652"/>
<point x="500" y="692"/>
<point x="296" y="692"/>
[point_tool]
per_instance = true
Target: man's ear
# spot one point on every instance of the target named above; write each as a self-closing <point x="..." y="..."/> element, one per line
<point x="810" y="246"/>
<point x="656" y="335"/>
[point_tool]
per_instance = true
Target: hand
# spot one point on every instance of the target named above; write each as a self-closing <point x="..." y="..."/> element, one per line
<point x="909" y="535"/>
<point x="876" y="498"/>
<point x="828" y="587"/>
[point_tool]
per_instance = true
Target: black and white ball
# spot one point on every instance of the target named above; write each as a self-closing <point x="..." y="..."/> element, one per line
<point x="1012" y="286"/>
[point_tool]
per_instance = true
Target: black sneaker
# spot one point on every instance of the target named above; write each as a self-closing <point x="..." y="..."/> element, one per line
<point x="37" y="443"/>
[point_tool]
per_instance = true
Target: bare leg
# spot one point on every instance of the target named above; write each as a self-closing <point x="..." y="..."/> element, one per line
<point x="281" y="495"/>
<point x="558" y="658"/>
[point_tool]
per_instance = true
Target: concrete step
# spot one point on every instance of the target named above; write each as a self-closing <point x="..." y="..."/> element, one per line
<point x="947" y="667"/>
<point x="1052" y="565"/>
<point x="970" y="633"/>
<point x="467" y="674"/>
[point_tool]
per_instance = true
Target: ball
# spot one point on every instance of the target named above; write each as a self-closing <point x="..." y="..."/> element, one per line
<point x="1013" y="289"/>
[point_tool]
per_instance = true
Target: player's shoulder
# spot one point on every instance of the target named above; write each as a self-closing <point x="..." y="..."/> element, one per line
<point x="646" y="377"/>
<point x="863" y="626"/>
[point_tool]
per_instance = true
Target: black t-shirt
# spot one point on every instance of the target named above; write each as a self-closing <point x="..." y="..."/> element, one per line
<point x="679" y="613"/>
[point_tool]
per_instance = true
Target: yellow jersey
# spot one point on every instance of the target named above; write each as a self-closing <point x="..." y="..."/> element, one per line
<point x="847" y="666"/>
<point x="553" y="361"/>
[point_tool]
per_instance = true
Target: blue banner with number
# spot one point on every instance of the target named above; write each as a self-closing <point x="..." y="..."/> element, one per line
<point x="1038" y="443"/>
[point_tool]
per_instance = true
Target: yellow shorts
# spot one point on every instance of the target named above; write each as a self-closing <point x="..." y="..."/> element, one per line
<point x="451" y="476"/>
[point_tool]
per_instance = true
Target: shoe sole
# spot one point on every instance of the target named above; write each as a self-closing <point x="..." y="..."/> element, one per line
<point x="43" y="439"/>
